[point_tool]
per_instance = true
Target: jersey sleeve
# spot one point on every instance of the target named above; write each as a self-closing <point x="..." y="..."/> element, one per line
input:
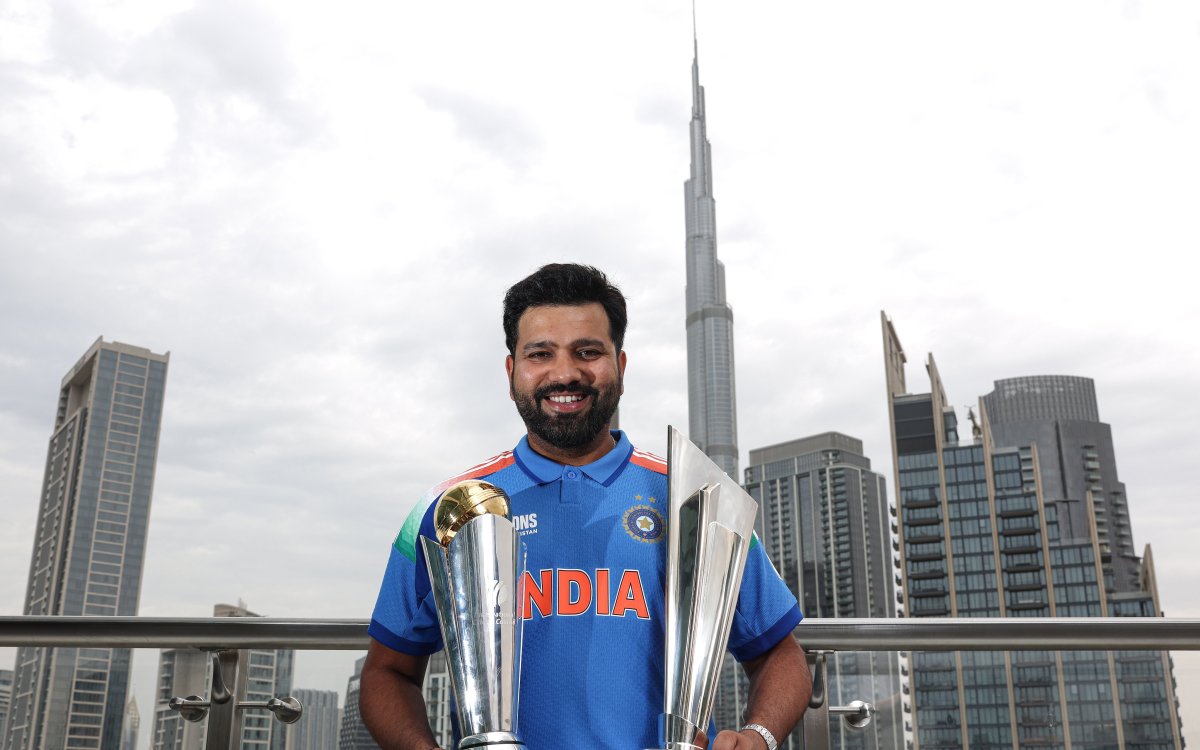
<point x="405" y="618"/>
<point x="766" y="609"/>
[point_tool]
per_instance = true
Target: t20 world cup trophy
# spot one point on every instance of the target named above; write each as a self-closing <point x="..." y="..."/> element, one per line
<point x="708" y="541"/>
<point x="475" y="570"/>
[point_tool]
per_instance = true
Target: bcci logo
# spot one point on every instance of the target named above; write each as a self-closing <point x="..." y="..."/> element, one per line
<point x="644" y="523"/>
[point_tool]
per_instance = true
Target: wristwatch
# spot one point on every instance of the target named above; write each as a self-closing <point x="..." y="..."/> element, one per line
<point x="766" y="735"/>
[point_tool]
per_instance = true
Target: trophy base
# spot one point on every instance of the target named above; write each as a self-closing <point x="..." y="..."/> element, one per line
<point x="491" y="741"/>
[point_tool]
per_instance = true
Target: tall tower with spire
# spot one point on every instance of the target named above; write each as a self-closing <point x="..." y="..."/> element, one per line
<point x="712" y="413"/>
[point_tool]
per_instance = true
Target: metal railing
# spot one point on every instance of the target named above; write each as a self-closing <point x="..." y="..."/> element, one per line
<point x="826" y="634"/>
<point x="229" y="638"/>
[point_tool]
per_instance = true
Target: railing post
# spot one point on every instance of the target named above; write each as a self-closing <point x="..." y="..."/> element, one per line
<point x="816" y="718"/>
<point x="228" y="687"/>
<point x="224" y="705"/>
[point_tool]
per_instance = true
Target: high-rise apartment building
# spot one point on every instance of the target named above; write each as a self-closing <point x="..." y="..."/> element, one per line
<point x="266" y="674"/>
<point x="317" y="728"/>
<point x="823" y="516"/>
<point x="712" y="412"/>
<point x="1023" y="518"/>
<point x="6" y="682"/>
<point x="181" y="673"/>
<point x="353" y="734"/>
<point x="438" y="693"/>
<point x="89" y="546"/>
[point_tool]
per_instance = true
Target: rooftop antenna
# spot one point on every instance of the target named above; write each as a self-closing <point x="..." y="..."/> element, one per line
<point x="976" y="430"/>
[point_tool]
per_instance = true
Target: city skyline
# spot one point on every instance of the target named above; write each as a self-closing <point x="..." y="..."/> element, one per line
<point x="286" y="205"/>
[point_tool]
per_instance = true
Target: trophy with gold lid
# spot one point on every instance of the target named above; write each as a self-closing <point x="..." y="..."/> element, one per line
<point x="475" y="569"/>
<point x="708" y="540"/>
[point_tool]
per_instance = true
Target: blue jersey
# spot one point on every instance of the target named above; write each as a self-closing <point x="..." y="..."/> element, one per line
<point x="592" y="655"/>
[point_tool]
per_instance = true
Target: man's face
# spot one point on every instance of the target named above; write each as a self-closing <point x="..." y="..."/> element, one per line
<point x="565" y="375"/>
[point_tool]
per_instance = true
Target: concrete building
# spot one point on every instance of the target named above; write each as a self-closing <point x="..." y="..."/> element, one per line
<point x="353" y="734"/>
<point x="823" y="517"/>
<point x="712" y="411"/>
<point x="317" y="728"/>
<point x="89" y="546"/>
<point x="1007" y="523"/>
<point x="267" y="674"/>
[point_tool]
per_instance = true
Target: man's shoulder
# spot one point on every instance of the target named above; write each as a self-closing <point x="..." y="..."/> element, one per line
<point x="649" y="461"/>
<point x="420" y="519"/>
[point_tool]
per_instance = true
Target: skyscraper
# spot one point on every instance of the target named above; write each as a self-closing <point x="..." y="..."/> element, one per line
<point x="823" y="517"/>
<point x="317" y="728"/>
<point x="182" y="672"/>
<point x="131" y="725"/>
<point x="265" y="674"/>
<point x="89" y="545"/>
<point x="997" y="525"/>
<point x="6" y="681"/>
<point x="438" y="694"/>
<point x="353" y="734"/>
<point x="712" y="412"/>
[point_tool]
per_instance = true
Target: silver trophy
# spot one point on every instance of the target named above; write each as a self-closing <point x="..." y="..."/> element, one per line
<point x="475" y="569"/>
<point x="708" y="540"/>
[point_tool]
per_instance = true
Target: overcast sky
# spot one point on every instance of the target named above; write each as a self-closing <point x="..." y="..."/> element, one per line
<point x="317" y="207"/>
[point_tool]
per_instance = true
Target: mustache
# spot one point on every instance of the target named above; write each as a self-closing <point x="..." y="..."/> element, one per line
<point x="575" y="387"/>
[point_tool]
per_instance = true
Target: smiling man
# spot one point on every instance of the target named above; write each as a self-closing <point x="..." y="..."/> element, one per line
<point x="592" y="513"/>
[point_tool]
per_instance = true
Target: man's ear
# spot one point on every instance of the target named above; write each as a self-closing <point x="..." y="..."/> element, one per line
<point x="508" y="369"/>
<point x="621" y="360"/>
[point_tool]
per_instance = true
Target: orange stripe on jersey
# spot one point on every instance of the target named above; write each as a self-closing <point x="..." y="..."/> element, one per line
<point x="490" y="466"/>
<point x="649" y="461"/>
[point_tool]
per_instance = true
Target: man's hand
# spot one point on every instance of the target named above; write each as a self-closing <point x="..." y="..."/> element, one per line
<point x="747" y="739"/>
<point x="780" y="686"/>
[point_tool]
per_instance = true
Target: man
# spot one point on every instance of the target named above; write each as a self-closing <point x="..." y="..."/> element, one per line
<point x="592" y="514"/>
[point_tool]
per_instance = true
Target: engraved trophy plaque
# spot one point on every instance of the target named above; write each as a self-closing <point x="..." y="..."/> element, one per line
<point x="708" y="541"/>
<point x="475" y="569"/>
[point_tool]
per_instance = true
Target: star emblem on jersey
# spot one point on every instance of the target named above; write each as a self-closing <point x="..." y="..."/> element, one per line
<point x="644" y="524"/>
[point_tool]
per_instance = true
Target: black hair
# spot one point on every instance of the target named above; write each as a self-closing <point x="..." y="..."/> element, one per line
<point x="564" y="284"/>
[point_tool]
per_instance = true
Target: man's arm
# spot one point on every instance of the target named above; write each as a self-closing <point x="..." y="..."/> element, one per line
<point x="780" y="686"/>
<point x="390" y="701"/>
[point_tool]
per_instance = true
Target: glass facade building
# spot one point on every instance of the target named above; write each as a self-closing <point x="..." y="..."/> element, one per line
<point x="317" y="728"/>
<point x="353" y="734"/>
<point x="6" y="681"/>
<point x="985" y="530"/>
<point x="823" y="516"/>
<point x="89" y="546"/>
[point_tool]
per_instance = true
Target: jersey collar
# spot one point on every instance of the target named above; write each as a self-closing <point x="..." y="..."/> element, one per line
<point x="603" y="470"/>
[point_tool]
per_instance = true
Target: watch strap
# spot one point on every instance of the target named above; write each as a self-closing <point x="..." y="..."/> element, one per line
<point x="766" y="735"/>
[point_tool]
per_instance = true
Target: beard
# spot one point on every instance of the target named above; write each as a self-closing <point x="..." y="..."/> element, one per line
<point x="568" y="431"/>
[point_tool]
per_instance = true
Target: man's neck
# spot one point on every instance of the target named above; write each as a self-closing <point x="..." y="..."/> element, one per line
<point x="581" y="456"/>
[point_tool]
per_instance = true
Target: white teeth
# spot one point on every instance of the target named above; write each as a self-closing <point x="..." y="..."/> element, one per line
<point x="566" y="399"/>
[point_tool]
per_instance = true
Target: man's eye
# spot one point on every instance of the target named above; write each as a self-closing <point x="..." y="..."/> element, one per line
<point x="538" y="356"/>
<point x="589" y="353"/>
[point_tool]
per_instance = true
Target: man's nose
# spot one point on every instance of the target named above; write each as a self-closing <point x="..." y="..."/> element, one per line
<point x="565" y="369"/>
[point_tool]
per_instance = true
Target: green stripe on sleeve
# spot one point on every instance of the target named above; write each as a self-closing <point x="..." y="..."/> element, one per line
<point x="406" y="540"/>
